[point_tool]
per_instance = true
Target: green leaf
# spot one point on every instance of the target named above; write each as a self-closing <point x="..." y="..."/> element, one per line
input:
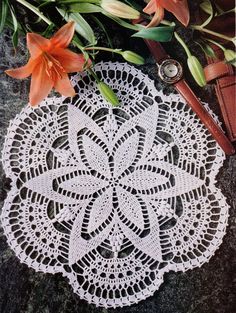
<point x="4" y="11"/>
<point x="15" y="27"/>
<point x="122" y="22"/>
<point x="207" y="49"/>
<point x="84" y="8"/>
<point x="160" y="33"/>
<point x="48" y="31"/>
<point x="100" y="24"/>
<point x="81" y="27"/>
<point x="77" y="42"/>
<point x="66" y="2"/>
<point x="134" y="5"/>
<point x="44" y="4"/>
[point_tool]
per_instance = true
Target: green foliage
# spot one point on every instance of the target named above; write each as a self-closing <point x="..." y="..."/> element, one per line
<point x="102" y="27"/>
<point x="8" y="18"/>
<point x="86" y="41"/>
<point x="206" y="48"/>
<point x="196" y="70"/>
<point x="84" y="8"/>
<point x="15" y="27"/>
<point x="230" y="56"/>
<point x="208" y="7"/>
<point x="81" y="27"/>
<point x="122" y="22"/>
<point x="160" y="33"/>
<point x="4" y="13"/>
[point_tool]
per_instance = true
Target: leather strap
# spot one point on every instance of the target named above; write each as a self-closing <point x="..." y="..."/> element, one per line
<point x="225" y="90"/>
<point x="223" y="76"/>
<point x="159" y="54"/>
<point x="157" y="51"/>
<point x="184" y="89"/>
<point x="217" y="70"/>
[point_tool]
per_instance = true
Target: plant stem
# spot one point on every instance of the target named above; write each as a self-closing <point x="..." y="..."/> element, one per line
<point x="183" y="44"/>
<point x="227" y="12"/>
<point x="35" y="10"/>
<point x="218" y="8"/>
<point x="217" y="44"/>
<point x="78" y="1"/>
<point x="211" y="32"/>
<point x="166" y="22"/>
<point x="91" y="72"/>
<point x="103" y="49"/>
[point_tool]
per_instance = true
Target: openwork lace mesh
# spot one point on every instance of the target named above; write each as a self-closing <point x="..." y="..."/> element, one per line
<point x="113" y="198"/>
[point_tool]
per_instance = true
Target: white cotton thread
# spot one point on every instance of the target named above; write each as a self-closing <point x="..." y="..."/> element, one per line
<point x="113" y="198"/>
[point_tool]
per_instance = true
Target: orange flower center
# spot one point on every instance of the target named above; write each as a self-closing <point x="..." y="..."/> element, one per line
<point x="53" y="67"/>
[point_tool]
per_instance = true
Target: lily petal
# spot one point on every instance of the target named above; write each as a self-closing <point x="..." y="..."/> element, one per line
<point x="37" y="44"/>
<point x="157" y="18"/>
<point x="178" y="8"/>
<point x="70" y="61"/>
<point x="151" y="7"/>
<point x="41" y="84"/>
<point x="23" y="71"/>
<point x="63" y="36"/>
<point x="64" y="87"/>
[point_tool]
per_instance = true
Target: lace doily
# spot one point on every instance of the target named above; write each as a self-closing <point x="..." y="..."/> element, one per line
<point x="113" y="198"/>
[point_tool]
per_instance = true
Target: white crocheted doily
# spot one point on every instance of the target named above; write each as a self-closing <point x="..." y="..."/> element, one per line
<point x="113" y="198"/>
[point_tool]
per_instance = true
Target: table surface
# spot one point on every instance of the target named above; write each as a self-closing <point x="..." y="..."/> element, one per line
<point x="209" y="289"/>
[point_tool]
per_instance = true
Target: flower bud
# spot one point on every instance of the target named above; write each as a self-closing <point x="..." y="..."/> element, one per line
<point x="132" y="57"/>
<point x="108" y="93"/>
<point x="119" y="9"/>
<point x="230" y="56"/>
<point x="206" y="7"/>
<point x="196" y="70"/>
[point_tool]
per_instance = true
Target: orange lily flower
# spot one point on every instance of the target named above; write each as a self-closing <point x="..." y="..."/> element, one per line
<point x="177" y="7"/>
<point x="49" y="64"/>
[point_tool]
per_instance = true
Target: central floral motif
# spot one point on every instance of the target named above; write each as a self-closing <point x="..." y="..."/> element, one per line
<point x="120" y="179"/>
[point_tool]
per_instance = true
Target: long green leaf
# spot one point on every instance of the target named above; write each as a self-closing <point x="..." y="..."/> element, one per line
<point x="4" y="11"/>
<point x="15" y="27"/>
<point x="134" y="5"/>
<point x="84" y="8"/>
<point x="81" y="27"/>
<point x="122" y="22"/>
<point x="48" y="31"/>
<point x="66" y="2"/>
<point x="100" y="24"/>
<point x="207" y="49"/>
<point x="160" y="33"/>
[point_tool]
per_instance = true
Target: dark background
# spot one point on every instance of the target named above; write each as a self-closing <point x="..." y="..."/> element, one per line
<point x="209" y="289"/>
